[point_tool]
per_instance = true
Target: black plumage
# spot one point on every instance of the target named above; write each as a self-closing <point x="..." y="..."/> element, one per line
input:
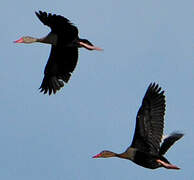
<point x="169" y="141"/>
<point x="64" y="51"/>
<point x="150" y="120"/>
<point x="63" y="57"/>
<point x="146" y="149"/>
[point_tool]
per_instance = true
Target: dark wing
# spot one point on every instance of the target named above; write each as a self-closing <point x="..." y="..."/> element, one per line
<point x="61" y="64"/>
<point x="150" y="121"/>
<point x="59" y="25"/>
<point x="169" y="141"/>
<point x="63" y="59"/>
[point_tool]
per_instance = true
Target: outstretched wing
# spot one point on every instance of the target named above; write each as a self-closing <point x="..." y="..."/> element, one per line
<point x="61" y="64"/>
<point x="63" y="57"/>
<point x="169" y="141"/>
<point x="58" y="24"/>
<point x="150" y="121"/>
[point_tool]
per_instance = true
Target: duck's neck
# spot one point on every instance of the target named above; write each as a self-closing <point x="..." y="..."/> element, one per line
<point x="128" y="154"/>
<point x="110" y="154"/>
<point x="49" y="39"/>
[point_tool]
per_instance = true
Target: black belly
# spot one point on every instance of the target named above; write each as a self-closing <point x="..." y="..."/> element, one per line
<point x="147" y="160"/>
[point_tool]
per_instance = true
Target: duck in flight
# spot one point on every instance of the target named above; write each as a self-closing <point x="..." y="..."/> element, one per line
<point x="146" y="149"/>
<point x="64" y="51"/>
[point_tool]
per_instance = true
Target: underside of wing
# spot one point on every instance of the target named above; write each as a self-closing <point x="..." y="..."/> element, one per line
<point x="169" y="141"/>
<point x="61" y="64"/>
<point x="150" y="121"/>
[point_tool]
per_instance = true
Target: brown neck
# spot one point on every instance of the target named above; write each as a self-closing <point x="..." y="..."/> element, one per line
<point x="128" y="154"/>
<point x="49" y="39"/>
<point x="110" y="154"/>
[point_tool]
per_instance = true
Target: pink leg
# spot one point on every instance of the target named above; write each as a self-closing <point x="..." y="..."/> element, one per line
<point x="166" y="165"/>
<point x="90" y="47"/>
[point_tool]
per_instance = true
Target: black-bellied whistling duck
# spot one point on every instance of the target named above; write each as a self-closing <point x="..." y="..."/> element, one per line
<point x="145" y="149"/>
<point x="64" y="52"/>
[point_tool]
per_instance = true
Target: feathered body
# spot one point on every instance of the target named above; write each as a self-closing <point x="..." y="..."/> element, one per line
<point x="146" y="149"/>
<point x="64" y="51"/>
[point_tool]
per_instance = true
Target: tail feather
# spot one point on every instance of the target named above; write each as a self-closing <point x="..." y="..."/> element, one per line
<point x="52" y="84"/>
<point x="169" y="141"/>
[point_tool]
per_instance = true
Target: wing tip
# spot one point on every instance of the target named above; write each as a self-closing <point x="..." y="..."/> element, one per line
<point x="176" y="134"/>
<point x="53" y="84"/>
<point x="155" y="87"/>
<point x="38" y="13"/>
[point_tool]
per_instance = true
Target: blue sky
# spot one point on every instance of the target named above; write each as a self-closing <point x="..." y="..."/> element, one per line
<point x="54" y="137"/>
